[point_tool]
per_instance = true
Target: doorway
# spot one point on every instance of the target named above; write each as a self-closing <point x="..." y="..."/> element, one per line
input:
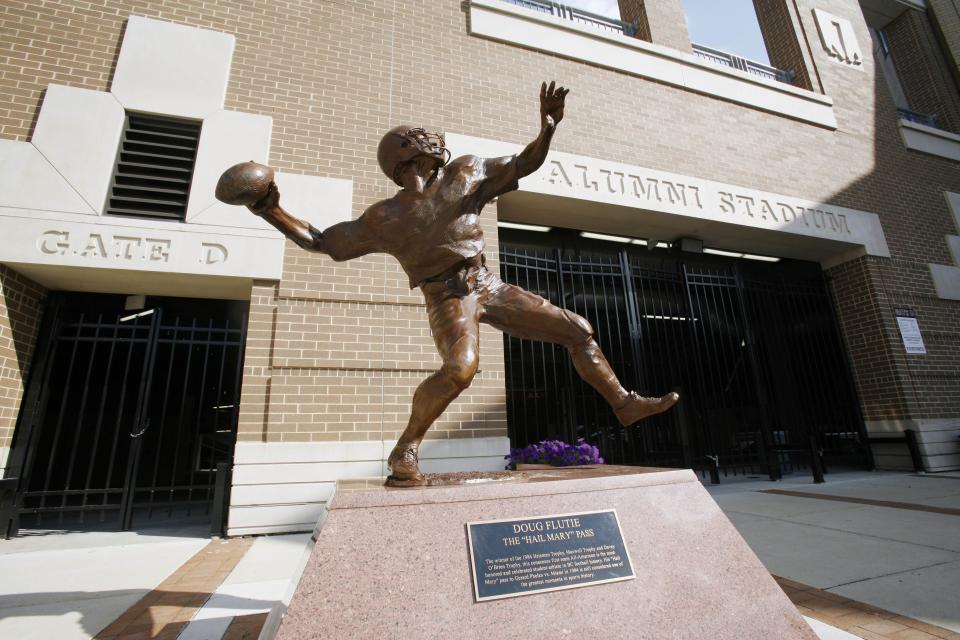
<point x="130" y="415"/>
<point x="753" y="348"/>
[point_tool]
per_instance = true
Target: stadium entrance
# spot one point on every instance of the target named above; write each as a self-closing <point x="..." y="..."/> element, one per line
<point x="752" y="347"/>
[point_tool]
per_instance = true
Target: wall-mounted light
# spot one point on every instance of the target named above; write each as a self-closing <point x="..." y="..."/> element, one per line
<point x="735" y="254"/>
<point x="721" y="252"/>
<point x="621" y="239"/>
<point x="603" y="236"/>
<point x="648" y="316"/>
<point x="522" y="227"/>
<point x="134" y="316"/>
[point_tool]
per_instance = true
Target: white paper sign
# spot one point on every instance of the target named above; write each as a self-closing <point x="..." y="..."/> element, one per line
<point x="910" y="332"/>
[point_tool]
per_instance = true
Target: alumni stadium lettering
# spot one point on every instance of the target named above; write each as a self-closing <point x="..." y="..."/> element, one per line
<point x="720" y="201"/>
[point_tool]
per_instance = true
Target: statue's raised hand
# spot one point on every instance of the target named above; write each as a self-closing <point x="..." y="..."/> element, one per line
<point x="551" y="103"/>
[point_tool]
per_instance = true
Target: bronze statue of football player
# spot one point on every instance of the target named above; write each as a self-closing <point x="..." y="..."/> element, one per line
<point x="432" y="227"/>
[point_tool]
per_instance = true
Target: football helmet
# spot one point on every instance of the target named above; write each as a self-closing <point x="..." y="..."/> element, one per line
<point x="405" y="143"/>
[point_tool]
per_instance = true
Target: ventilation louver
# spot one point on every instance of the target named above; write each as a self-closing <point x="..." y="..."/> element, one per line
<point x="154" y="167"/>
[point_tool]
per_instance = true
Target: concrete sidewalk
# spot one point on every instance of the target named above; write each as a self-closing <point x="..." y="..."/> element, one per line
<point x="169" y="583"/>
<point x="69" y="586"/>
<point x="904" y="558"/>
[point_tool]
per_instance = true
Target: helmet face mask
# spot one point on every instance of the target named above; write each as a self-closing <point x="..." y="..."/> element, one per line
<point x="404" y="144"/>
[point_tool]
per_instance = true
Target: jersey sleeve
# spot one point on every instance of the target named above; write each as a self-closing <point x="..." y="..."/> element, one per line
<point x="348" y="240"/>
<point x="499" y="177"/>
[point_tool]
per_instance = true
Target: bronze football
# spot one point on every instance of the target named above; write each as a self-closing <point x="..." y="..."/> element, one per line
<point x="244" y="183"/>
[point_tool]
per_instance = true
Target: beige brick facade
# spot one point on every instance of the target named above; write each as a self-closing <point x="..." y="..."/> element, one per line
<point x="660" y="21"/>
<point x="21" y="305"/>
<point x="782" y="35"/>
<point x="924" y="72"/>
<point x="946" y="14"/>
<point x="334" y="350"/>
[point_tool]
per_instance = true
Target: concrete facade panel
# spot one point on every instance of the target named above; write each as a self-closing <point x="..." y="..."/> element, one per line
<point x="78" y="132"/>
<point x="168" y="69"/>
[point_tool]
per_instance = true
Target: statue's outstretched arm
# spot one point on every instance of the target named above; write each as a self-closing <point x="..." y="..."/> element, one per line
<point x="551" y="113"/>
<point x="342" y="241"/>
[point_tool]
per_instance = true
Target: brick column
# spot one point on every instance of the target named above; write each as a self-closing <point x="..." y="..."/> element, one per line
<point x="661" y="21"/>
<point x="257" y="363"/>
<point x="21" y="307"/>
<point x="946" y="14"/>
<point x="780" y="27"/>
<point x="923" y="68"/>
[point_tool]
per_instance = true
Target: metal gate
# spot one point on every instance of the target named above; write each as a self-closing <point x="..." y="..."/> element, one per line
<point x="752" y="348"/>
<point x="129" y="415"/>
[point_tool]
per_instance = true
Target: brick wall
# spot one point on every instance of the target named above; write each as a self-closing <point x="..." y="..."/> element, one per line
<point x="779" y="25"/>
<point x="923" y="70"/>
<point x="335" y="75"/>
<point x="863" y="309"/>
<point x="946" y="18"/>
<point x="661" y="21"/>
<point x="21" y="307"/>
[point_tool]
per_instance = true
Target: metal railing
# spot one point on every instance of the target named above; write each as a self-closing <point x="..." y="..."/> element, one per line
<point x="743" y="64"/>
<point x="579" y="16"/>
<point x="929" y="120"/>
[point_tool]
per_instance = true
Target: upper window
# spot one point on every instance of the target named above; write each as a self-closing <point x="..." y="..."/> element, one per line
<point x="729" y="26"/>
<point x="730" y="34"/>
<point x="603" y="15"/>
<point x="154" y="167"/>
<point x="608" y="8"/>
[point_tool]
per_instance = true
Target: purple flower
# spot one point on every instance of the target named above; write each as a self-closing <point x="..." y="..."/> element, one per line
<point x="556" y="453"/>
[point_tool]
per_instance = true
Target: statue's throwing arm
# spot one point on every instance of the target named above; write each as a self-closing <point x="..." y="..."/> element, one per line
<point x="303" y="233"/>
<point x="342" y="241"/>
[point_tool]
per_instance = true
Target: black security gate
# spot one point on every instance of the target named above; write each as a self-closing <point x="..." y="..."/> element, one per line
<point x="129" y="414"/>
<point x="752" y="347"/>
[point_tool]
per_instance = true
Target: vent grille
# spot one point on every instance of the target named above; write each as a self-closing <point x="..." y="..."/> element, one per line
<point x="154" y="167"/>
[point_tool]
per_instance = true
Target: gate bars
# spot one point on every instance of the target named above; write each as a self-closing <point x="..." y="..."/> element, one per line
<point x="753" y="350"/>
<point x="129" y="414"/>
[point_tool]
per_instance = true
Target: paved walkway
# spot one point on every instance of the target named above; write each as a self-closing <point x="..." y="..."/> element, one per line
<point x="866" y="555"/>
<point x="165" y="611"/>
<point x="163" y="584"/>
<point x="846" y="538"/>
<point x="69" y="586"/>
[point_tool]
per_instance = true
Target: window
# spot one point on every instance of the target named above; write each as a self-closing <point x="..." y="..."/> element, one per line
<point x="154" y="167"/>
<point x="729" y="33"/>
<point x="729" y="26"/>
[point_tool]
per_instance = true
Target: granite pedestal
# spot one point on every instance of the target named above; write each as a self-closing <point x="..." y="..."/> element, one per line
<point x="395" y="563"/>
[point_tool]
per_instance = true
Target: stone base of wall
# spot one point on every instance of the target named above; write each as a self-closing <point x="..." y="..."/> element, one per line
<point x="939" y="441"/>
<point x="283" y="486"/>
<point x="4" y="454"/>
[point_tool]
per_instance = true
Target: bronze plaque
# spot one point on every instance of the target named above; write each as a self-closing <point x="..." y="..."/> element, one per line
<point x="522" y="556"/>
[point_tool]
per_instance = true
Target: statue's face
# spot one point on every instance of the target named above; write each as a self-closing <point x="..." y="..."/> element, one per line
<point x="428" y="143"/>
<point x="404" y="144"/>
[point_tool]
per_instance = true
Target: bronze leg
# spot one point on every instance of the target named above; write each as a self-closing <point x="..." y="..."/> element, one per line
<point x="453" y="322"/>
<point x="526" y="315"/>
